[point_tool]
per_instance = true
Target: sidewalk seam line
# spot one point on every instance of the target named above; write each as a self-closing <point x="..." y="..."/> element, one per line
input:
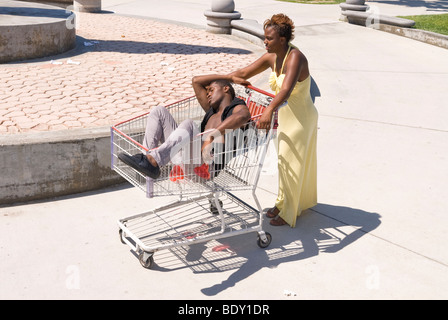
<point x="385" y="123"/>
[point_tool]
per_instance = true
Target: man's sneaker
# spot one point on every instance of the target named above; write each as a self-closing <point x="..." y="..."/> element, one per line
<point x="140" y="163"/>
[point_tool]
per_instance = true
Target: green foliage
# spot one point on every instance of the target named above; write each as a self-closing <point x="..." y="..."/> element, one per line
<point x="437" y="23"/>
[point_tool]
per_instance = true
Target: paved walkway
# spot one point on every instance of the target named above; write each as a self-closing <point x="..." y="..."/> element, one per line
<point x="380" y="225"/>
<point x="121" y="68"/>
<point x="123" y="65"/>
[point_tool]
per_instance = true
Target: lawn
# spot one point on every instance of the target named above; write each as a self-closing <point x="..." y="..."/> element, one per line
<point x="437" y="23"/>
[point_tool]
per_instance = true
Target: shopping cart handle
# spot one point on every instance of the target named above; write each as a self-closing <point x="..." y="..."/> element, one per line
<point x="260" y="114"/>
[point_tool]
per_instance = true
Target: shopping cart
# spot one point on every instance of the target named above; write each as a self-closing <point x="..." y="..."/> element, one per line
<point x="206" y="207"/>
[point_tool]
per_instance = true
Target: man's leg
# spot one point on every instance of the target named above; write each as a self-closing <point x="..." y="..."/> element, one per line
<point x="159" y="126"/>
<point x="171" y="149"/>
<point x="180" y="146"/>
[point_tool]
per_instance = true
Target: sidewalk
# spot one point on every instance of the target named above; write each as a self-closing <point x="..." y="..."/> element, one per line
<point x="120" y="68"/>
<point x="380" y="225"/>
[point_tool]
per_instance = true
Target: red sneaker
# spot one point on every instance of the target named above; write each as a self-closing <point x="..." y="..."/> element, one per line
<point x="177" y="173"/>
<point x="202" y="171"/>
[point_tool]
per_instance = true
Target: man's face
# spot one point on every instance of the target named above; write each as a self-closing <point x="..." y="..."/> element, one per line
<point x="215" y="94"/>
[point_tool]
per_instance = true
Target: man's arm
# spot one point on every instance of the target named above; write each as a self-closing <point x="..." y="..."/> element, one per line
<point x="200" y="84"/>
<point x="239" y="117"/>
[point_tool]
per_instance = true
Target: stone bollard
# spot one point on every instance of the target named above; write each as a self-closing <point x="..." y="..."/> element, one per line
<point x="92" y="6"/>
<point x="221" y="14"/>
<point x="352" y="5"/>
<point x="356" y="12"/>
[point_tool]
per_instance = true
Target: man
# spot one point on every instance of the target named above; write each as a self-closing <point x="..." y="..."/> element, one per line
<point x="223" y="112"/>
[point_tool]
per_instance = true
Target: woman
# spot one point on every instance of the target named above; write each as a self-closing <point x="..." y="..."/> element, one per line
<point x="297" y="129"/>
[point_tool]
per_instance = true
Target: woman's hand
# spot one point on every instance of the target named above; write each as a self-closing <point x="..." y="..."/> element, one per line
<point x="265" y="120"/>
<point x="241" y="81"/>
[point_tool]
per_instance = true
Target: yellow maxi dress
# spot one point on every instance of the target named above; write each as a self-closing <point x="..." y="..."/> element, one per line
<point x="297" y="140"/>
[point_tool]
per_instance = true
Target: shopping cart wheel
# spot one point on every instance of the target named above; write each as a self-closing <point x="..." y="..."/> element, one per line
<point x="264" y="244"/>
<point x="213" y="208"/>
<point x="146" y="259"/>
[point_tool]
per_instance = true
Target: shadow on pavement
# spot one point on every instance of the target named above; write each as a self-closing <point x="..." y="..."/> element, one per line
<point x="314" y="90"/>
<point x="135" y="47"/>
<point x="324" y="228"/>
<point x="34" y="12"/>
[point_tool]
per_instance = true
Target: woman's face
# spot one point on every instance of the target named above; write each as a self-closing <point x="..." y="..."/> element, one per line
<point x="272" y="40"/>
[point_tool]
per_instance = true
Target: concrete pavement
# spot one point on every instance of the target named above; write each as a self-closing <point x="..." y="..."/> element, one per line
<point x="377" y="232"/>
<point x="121" y="66"/>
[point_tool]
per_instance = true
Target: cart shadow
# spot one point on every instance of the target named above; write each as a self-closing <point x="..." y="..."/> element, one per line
<point x="324" y="228"/>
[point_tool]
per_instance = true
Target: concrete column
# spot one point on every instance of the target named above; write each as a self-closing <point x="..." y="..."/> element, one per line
<point x="350" y="6"/>
<point x="92" y="6"/>
<point x="221" y="14"/>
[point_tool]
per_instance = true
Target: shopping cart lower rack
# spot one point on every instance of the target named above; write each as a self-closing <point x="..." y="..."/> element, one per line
<point x="207" y="207"/>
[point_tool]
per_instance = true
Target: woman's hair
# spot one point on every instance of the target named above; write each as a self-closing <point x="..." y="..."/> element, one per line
<point x="282" y="24"/>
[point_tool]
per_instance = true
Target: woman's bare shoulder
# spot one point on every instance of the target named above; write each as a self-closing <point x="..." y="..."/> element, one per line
<point x="297" y="58"/>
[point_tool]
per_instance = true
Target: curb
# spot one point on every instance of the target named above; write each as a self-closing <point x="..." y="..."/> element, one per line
<point x="432" y="38"/>
<point x="249" y="30"/>
<point x="45" y="165"/>
<point x="34" y="30"/>
<point x="51" y="164"/>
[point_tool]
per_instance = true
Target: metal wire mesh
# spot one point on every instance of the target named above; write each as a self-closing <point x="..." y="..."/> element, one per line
<point x="169" y="226"/>
<point x="235" y="165"/>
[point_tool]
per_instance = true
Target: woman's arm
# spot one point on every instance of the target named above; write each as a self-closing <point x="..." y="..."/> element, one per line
<point x="295" y="65"/>
<point x="258" y="66"/>
<point x="239" y="76"/>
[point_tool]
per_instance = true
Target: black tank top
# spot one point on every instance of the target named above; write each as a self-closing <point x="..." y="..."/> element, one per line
<point x="225" y="114"/>
<point x="217" y="167"/>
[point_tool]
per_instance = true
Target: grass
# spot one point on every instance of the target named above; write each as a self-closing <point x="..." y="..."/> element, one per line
<point x="437" y="23"/>
<point x="315" y="1"/>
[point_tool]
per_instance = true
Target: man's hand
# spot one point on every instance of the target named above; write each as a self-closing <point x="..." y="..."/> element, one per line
<point x="206" y="151"/>
<point x="207" y="145"/>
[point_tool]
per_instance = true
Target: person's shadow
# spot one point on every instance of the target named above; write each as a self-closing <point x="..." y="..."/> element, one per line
<point x="314" y="90"/>
<point x="324" y="228"/>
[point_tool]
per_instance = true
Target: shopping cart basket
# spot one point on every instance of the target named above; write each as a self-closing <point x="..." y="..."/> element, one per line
<point x="207" y="207"/>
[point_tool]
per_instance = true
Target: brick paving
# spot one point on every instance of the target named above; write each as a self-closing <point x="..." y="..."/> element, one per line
<point x="129" y="65"/>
